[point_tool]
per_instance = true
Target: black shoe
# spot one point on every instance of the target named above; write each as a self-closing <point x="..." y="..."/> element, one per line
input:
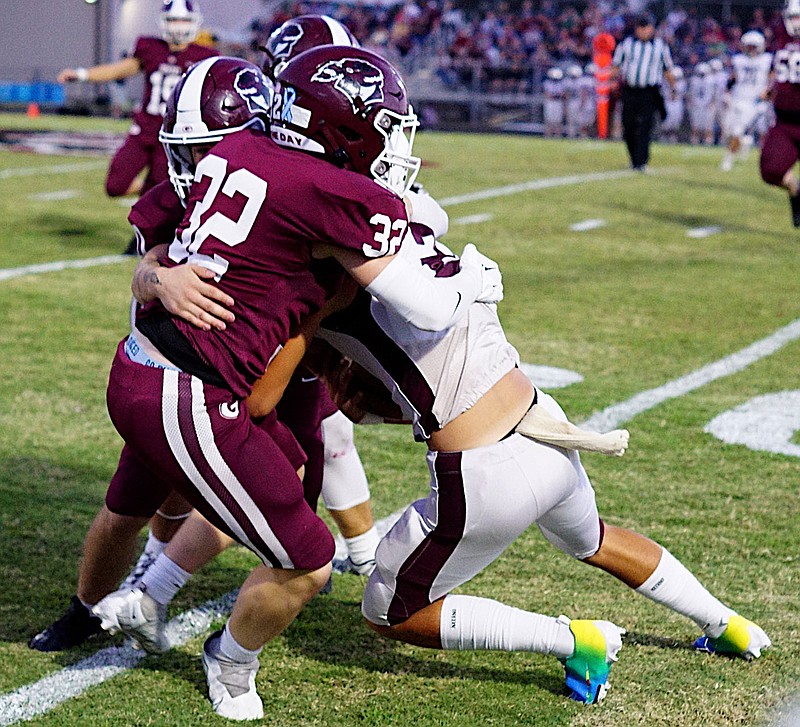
<point x="73" y="628"/>
<point x="794" y="201"/>
<point x="133" y="248"/>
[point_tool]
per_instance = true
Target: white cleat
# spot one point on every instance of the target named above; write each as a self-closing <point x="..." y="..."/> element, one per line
<point x="231" y="686"/>
<point x="137" y="615"/>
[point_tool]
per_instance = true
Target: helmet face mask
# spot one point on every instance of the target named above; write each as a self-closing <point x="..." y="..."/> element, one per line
<point x="350" y="107"/>
<point x="215" y="97"/>
<point x="180" y="21"/>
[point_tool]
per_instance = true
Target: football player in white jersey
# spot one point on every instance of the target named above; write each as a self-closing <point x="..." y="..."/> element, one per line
<point x="701" y="98"/>
<point x="572" y="104"/>
<point x="748" y="93"/>
<point x="554" y="100"/>
<point x="456" y="378"/>
<point x="675" y="105"/>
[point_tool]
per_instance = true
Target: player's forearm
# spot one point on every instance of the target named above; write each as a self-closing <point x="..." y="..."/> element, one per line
<point x="146" y="284"/>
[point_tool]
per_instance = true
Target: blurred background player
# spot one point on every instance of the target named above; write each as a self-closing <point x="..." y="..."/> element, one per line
<point x="572" y="100"/>
<point x="162" y="61"/>
<point x="554" y="93"/>
<point x="747" y="93"/>
<point x="674" y="105"/>
<point x="719" y="72"/>
<point x="587" y="109"/>
<point x="779" y="152"/>
<point x="700" y="100"/>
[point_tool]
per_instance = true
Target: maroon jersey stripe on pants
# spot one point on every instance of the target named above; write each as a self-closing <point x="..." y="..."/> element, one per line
<point x="418" y="573"/>
<point x="201" y="441"/>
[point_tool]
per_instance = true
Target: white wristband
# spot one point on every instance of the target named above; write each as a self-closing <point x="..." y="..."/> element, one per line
<point x="82" y="74"/>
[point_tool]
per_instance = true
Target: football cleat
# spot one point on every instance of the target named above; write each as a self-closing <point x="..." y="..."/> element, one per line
<point x="348" y="565"/>
<point x="740" y="638"/>
<point x="73" y="628"/>
<point x="133" y="612"/>
<point x="231" y="686"/>
<point x="597" y="644"/>
<point x="794" y="201"/>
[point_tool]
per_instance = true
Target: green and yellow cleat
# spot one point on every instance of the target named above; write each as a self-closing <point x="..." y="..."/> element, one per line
<point x="740" y="638"/>
<point x="597" y="644"/>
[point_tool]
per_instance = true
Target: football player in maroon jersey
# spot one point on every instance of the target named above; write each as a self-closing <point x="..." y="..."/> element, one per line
<point x="781" y="147"/>
<point x="162" y="61"/>
<point x="175" y="392"/>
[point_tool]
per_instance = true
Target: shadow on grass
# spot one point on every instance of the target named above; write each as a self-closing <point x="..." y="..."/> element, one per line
<point x="333" y="631"/>
<point x="719" y="219"/>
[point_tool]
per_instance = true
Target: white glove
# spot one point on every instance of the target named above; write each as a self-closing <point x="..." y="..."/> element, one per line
<point x="490" y="276"/>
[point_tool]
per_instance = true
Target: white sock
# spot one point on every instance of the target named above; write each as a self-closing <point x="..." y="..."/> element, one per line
<point x="672" y="585"/>
<point x="164" y="579"/>
<point x="233" y="650"/>
<point x="154" y="545"/>
<point x="362" y="547"/>
<point x="471" y="623"/>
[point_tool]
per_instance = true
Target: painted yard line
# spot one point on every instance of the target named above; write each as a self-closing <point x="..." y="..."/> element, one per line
<point x="615" y="415"/>
<point x="40" y="697"/>
<point x="473" y="219"/>
<point x="9" y="273"/>
<point x="701" y="232"/>
<point x="57" y="196"/>
<point x="587" y="225"/>
<point x="534" y="184"/>
<point x="53" y="169"/>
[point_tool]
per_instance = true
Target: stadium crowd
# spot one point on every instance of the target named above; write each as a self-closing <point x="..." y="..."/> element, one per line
<point x="506" y="47"/>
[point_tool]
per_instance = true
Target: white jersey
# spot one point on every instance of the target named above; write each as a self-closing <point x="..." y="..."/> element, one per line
<point x="674" y="103"/>
<point x="433" y="376"/>
<point x="751" y="76"/>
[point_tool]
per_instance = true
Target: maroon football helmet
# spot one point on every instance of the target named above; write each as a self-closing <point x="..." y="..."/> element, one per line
<point x="215" y="97"/>
<point x="301" y="34"/>
<point x="351" y="107"/>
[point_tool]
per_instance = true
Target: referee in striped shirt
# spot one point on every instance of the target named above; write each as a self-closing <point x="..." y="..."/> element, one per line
<point x="641" y="61"/>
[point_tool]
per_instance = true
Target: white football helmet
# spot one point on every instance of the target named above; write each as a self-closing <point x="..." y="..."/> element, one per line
<point x="180" y="21"/>
<point x="574" y="71"/>
<point x="716" y="65"/>
<point x="677" y="73"/>
<point x="753" y="43"/>
<point x="555" y="74"/>
<point x="702" y="69"/>
<point x="791" y="17"/>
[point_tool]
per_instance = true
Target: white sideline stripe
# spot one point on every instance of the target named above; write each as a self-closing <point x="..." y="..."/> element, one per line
<point x="57" y="196"/>
<point x="40" y="697"/>
<point x="9" y="273"/>
<point x="473" y="219"/>
<point x="52" y="169"/>
<point x="611" y="417"/>
<point x="546" y="183"/>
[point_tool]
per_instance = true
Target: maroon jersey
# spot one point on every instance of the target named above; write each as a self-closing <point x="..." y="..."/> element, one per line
<point x="155" y="216"/>
<point x="253" y="215"/>
<point x="162" y="68"/>
<point x="786" y="67"/>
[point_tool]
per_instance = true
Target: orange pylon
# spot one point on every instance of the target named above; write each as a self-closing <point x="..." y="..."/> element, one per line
<point x="33" y="110"/>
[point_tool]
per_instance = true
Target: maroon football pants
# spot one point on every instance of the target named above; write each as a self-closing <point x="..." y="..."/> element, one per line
<point x="195" y="438"/>
<point x="779" y="152"/>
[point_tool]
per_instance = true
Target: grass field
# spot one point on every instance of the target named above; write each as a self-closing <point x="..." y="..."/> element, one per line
<point x="630" y="306"/>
